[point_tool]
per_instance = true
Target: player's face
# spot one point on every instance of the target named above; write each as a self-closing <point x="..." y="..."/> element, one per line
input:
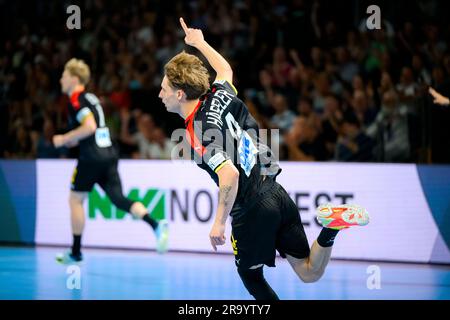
<point x="169" y="96"/>
<point x="67" y="81"/>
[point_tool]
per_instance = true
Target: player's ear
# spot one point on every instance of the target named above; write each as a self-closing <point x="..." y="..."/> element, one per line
<point x="180" y="95"/>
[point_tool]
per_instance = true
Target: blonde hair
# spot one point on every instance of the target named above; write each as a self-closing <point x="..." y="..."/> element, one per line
<point x="78" y="68"/>
<point x="187" y="72"/>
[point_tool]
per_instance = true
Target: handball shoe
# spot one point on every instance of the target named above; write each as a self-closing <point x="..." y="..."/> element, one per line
<point x="342" y="216"/>
<point x="162" y="236"/>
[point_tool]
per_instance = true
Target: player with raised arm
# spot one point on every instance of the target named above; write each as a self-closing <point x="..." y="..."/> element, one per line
<point x="224" y="142"/>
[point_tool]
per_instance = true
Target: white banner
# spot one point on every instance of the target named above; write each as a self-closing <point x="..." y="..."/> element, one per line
<point x="401" y="226"/>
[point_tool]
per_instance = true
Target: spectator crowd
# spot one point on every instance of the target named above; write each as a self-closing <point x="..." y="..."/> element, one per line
<point x="336" y="90"/>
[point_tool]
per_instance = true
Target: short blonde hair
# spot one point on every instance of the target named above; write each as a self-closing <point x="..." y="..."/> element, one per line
<point x="78" y="68"/>
<point x="187" y="72"/>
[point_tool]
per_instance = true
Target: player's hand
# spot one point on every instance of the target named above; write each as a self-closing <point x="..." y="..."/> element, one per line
<point x="59" y="140"/>
<point x="439" y="98"/>
<point x="71" y="144"/>
<point x="194" y="37"/>
<point x="217" y="235"/>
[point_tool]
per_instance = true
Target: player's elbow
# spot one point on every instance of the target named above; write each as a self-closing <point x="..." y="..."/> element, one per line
<point x="90" y="126"/>
<point x="226" y="74"/>
<point x="229" y="173"/>
<point x="234" y="173"/>
<point x="229" y="72"/>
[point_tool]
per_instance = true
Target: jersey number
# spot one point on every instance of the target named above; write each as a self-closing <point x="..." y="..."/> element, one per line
<point x="246" y="149"/>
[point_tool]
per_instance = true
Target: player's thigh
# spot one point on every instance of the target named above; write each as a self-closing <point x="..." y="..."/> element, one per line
<point x="84" y="177"/>
<point x="110" y="180"/>
<point x="291" y="238"/>
<point x="254" y="234"/>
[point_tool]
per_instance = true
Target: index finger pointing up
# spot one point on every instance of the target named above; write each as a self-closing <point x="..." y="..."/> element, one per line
<point x="183" y="25"/>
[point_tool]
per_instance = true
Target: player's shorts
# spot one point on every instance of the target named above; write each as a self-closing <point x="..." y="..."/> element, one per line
<point x="87" y="174"/>
<point x="271" y="223"/>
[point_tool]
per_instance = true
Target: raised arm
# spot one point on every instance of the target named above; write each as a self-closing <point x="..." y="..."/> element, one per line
<point x="439" y="98"/>
<point x="194" y="38"/>
<point x="125" y="135"/>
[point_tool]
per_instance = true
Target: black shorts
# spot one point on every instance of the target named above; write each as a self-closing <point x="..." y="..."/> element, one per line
<point x="87" y="174"/>
<point x="272" y="223"/>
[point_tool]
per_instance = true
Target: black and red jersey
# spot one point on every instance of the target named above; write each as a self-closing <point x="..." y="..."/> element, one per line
<point x="221" y="128"/>
<point x="97" y="147"/>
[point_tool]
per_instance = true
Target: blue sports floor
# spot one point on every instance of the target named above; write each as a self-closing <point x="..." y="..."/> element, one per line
<point x="32" y="273"/>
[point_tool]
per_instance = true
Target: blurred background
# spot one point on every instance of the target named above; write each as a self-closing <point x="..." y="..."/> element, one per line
<point x="336" y="90"/>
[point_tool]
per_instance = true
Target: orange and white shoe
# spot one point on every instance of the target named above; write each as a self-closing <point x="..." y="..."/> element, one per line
<point x="342" y="216"/>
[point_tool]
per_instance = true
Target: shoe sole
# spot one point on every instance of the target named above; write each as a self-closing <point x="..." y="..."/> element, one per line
<point x="354" y="215"/>
<point x="61" y="262"/>
<point x="76" y="263"/>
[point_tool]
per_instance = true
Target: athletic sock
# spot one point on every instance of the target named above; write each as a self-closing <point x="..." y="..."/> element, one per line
<point x="76" y="248"/>
<point x="152" y="222"/>
<point x="326" y="237"/>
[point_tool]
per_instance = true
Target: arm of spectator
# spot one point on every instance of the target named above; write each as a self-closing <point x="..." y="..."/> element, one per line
<point x="125" y="135"/>
<point x="266" y="82"/>
<point x="404" y="42"/>
<point x="194" y="37"/>
<point x="439" y="98"/>
<point x="342" y="152"/>
<point x="350" y="145"/>
<point x="314" y="19"/>
<point x="298" y="64"/>
<point x="34" y="135"/>
<point x="373" y="130"/>
<point x="295" y="153"/>
<point x="335" y="118"/>
<point x="296" y="59"/>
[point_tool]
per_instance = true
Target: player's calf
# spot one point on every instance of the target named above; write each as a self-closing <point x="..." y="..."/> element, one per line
<point x="256" y="284"/>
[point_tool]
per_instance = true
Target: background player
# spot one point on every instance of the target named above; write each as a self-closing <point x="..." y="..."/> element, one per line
<point x="97" y="161"/>
<point x="264" y="218"/>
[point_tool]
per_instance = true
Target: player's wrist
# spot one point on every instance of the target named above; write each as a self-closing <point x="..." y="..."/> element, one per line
<point x="219" y="222"/>
<point x="68" y="138"/>
<point x="201" y="45"/>
<point x="64" y="139"/>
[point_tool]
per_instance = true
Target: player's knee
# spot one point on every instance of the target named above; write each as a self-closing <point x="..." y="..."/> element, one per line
<point x="121" y="202"/>
<point x="256" y="285"/>
<point x="76" y="198"/>
<point x="252" y="278"/>
<point x="311" y="277"/>
<point x="138" y="210"/>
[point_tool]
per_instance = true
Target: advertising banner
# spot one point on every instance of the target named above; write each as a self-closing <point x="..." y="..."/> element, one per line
<point x="402" y="226"/>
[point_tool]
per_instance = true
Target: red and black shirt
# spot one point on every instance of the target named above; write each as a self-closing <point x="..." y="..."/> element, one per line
<point x="221" y="128"/>
<point x="97" y="147"/>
